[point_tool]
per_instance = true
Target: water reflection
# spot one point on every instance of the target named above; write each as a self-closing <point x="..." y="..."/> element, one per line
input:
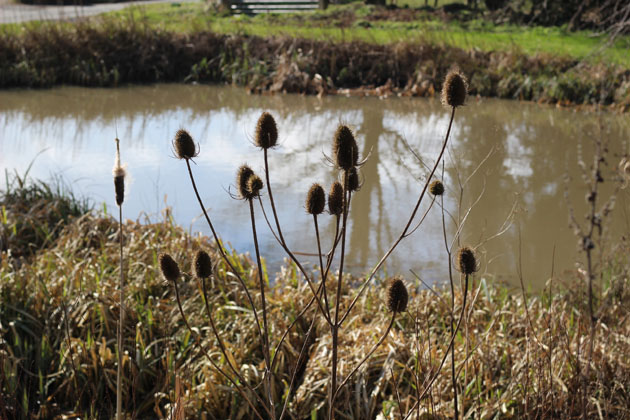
<point x="507" y="161"/>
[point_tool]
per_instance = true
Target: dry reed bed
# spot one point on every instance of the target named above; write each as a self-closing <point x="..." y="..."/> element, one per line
<point x="506" y="376"/>
<point x="110" y="53"/>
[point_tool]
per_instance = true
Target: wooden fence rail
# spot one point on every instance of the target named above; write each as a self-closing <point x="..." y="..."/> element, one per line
<point x="252" y="7"/>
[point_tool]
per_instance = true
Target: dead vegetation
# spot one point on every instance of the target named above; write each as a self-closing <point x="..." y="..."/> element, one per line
<point x="516" y="368"/>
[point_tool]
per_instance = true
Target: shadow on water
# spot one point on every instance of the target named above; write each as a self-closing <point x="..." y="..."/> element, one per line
<point x="518" y="154"/>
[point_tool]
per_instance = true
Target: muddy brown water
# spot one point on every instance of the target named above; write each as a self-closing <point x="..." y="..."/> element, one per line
<point x="509" y="169"/>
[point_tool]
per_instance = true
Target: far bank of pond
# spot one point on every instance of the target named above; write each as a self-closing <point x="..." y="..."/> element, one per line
<point x="112" y="52"/>
<point x="512" y="160"/>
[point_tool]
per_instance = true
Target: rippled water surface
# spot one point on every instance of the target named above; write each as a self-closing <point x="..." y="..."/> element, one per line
<point x="507" y="168"/>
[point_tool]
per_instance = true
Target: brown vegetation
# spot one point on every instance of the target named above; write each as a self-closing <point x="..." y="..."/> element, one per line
<point x="114" y="54"/>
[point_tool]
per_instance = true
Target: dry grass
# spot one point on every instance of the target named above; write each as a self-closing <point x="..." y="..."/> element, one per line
<point x="508" y="374"/>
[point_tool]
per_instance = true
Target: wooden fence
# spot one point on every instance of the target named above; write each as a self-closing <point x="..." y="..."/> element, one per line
<point x="253" y="7"/>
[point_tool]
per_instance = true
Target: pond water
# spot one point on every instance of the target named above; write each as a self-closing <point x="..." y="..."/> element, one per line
<point x="506" y="170"/>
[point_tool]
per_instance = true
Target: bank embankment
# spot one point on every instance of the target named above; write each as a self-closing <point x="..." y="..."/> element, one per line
<point x="112" y="53"/>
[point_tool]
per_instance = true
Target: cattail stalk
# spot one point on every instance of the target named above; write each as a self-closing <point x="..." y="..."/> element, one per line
<point x="119" y="187"/>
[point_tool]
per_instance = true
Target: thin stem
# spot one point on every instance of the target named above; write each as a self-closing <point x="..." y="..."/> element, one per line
<point x="121" y="320"/>
<point x="271" y="200"/>
<point x="292" y="257"/>
<point x="221" y="250"/>
<point x="297" y="364"/>
<point x="335" y="326"/>
<point x="265" y="341"/>
<point x="450" y="345"/>
<point x="407" y="226"/>
<point x="372" y="350"/>
<point x="214" y="365"/>
<point x="218" y="337"/>
<point x="450" y="278"/>
<point x="321" y="265"/>
<point x="303" y="311"/>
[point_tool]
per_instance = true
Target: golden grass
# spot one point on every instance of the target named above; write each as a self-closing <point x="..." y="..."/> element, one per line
<point x="515" y="368"/>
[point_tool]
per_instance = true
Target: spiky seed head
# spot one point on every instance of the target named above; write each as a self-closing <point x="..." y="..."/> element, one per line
<point x="397" y="296"/>
<point x="315" y="200"/>
<point x="169" y="268"/>
<point x="454" y="89"/>
<point x="345" y="149"/>
<point x="184" y="145"/>
<point x="203" y="264"/>
<point x="354" y="183"/>
<point x="254" y="185"/>
<point x="266" y="131"/>
<point x="436" y="188"/>
<point x="242" y="180"/>
<point x="335" y="199"/>
<point x="466" y="260"/>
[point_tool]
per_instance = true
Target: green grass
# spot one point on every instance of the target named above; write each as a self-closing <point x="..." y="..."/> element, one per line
<point x="351" y="23"/>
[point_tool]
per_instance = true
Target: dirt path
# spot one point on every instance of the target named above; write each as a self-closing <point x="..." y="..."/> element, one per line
<point x="13" y="12"/>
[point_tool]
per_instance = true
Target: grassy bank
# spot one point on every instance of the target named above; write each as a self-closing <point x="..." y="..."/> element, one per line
<point x="362" y="50"/>
<point x="516" y="358"/>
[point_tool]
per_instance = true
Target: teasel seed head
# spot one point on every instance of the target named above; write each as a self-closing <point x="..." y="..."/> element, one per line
<point x="254" y="185"/>
<point x="266" y="131"/>
<point x="119" y="177"/>
<point x="436" y="188"/>
<point x="466" y="260"/>
<point x="397" y="296"/>
<point x="454" y="89"/>
<point x="242" y="180"/>
<point x="315" y="200"/>
<point x="169" y="268"/>
<point x="345" y="149"/>
<point x="354" y="183"/>
<point x="335" y="199"/>
<point x="184" y="145"/>
<point x="203" y="264"/>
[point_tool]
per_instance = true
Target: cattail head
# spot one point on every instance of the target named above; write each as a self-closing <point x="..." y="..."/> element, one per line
<point x="119" y="177"/>
<point x="335" y="199"/>
<point x="266" y="131"/>
<point x="345" y="149"/>
<point x="203" y="264"/>
<point x="184" y="145"/>
<point x="454" y="89"/>
<point x="315" y="200"/>
<point x="169" y="268"/>
<point x="397" y="296"/>
<point x="354" y="183"/>
<point x="436" y="188"/>
<point x="466" y="261"/>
